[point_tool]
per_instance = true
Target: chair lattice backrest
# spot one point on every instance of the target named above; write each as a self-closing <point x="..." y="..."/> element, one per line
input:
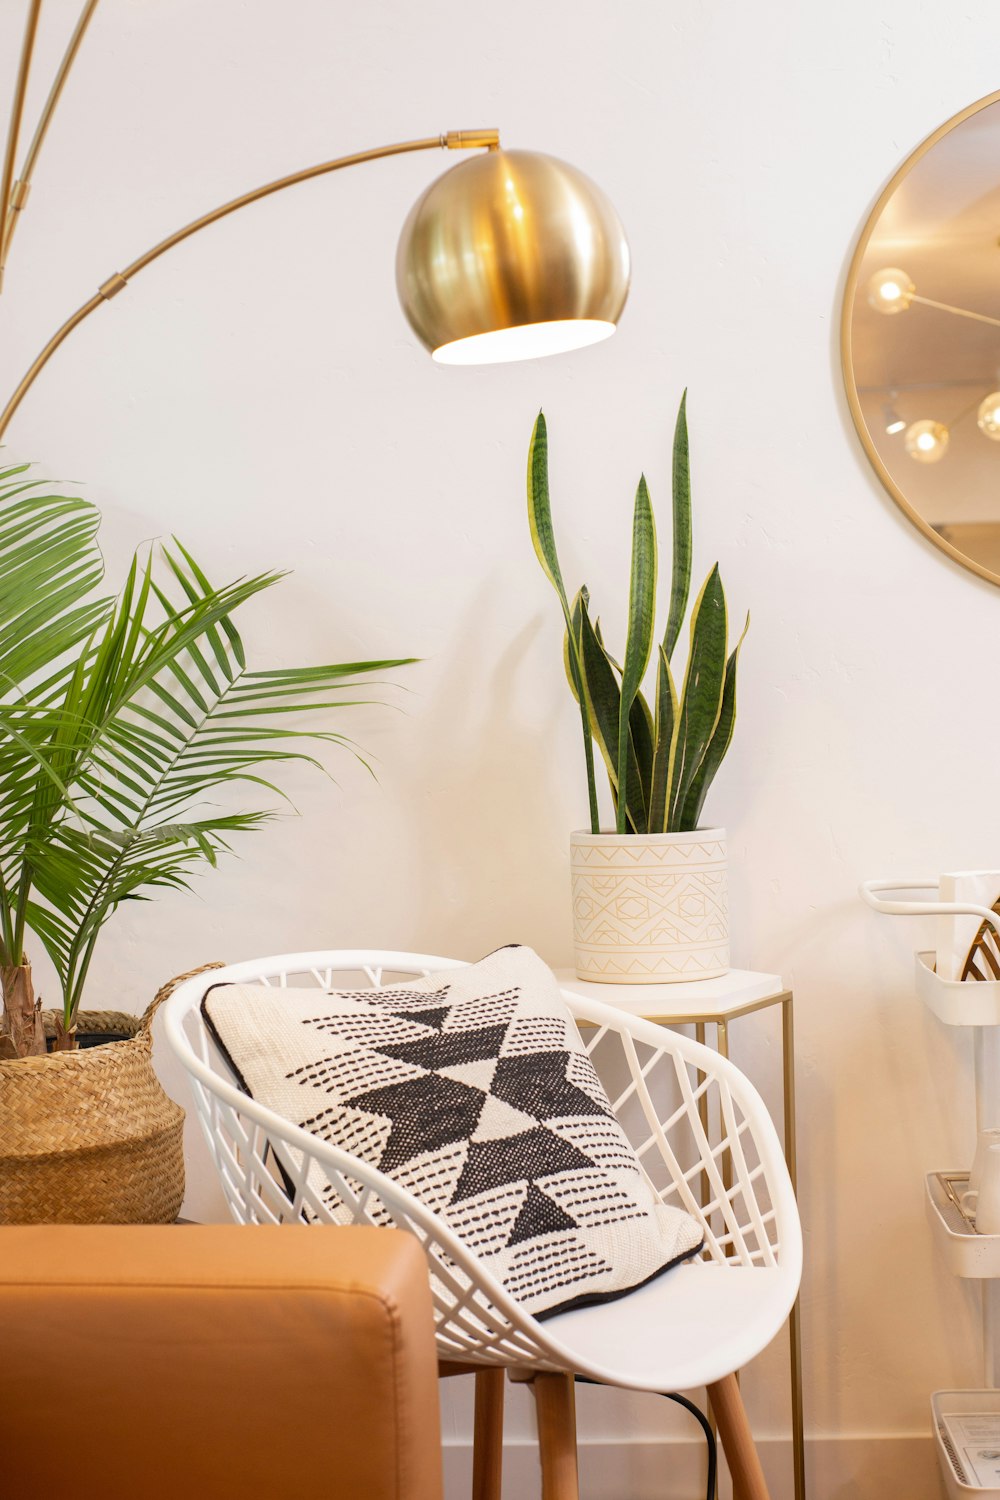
<point x="697" y="1126"/>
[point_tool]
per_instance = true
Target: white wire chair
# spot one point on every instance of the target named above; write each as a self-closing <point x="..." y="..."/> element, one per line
<point x="706" y="1144"/>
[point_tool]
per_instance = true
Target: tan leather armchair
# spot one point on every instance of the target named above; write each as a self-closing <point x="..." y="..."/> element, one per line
<point x="215" y="1362"/>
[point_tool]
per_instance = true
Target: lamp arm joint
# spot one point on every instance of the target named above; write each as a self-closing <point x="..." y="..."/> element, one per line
<point x="110" y="288"/>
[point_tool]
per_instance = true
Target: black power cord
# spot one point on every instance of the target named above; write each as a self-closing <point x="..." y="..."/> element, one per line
<point x="699" y="1416"/>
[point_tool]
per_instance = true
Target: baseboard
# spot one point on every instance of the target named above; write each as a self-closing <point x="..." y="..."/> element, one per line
<point x="837" y="1468"/>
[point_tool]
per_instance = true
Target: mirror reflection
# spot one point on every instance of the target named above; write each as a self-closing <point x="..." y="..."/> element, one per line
<point x="921" y="337"/>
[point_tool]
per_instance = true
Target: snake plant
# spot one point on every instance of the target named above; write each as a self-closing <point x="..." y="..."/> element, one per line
<point x="660" y="761"/>
<point x="124" y="722"/>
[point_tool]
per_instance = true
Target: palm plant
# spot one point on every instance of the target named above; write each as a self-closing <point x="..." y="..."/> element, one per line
<point x="120" y="719"/>
<point x="660" y="761"/>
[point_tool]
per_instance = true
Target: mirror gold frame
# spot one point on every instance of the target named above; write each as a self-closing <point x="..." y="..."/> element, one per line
<point x="846" y="351"/>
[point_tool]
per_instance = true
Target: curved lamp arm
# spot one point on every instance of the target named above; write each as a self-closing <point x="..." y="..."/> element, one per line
<point x="453" y="140"/>
<point x="14" y="194"/>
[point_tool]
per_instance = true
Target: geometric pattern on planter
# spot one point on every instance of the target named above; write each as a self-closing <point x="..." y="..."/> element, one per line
<point x="650" y="909"/>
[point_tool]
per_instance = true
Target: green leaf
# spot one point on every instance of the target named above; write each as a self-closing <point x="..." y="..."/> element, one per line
<point x="581" y="601"/>
<point x="641" y="732"/>
<point x="124" y="722"/>
<point x="680" y="582"/>
<point x="540" y="510"/>
<point x="639" y="641"/>
<point x="667" y="724"/>
<point x="544" y="542"/>
<point x="603" y="702"/>
<point x="701" y="699"/>
<point x="718" y="745"/>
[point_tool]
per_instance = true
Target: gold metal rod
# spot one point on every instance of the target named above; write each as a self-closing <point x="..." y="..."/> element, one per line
<point x="794" y="1318"/>
<point x="788" y="1086"/>
<point x="428" y="144"/>
<point x="722" y="1047"/>
<point x="23" y="184"/>
<point x="28" y="379"/>
<point x="119" y="279"/>
<point x="960" y="312"/>
<point x="16" y="112"/>
<point x="699" y="1036"/>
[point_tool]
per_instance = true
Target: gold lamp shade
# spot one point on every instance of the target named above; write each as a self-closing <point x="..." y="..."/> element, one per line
<point x="511" y="255"/>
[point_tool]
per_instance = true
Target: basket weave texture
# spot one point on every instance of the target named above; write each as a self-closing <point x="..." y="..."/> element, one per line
<point x="89" y="1136"/>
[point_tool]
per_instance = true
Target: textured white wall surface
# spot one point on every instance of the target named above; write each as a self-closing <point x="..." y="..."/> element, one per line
<point x="258" y="394"/>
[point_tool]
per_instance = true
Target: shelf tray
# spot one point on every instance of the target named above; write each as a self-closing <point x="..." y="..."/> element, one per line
<point x="968" y="1254"/>
<point x="958" y="1002"/>
<point x="957" y="1415"/>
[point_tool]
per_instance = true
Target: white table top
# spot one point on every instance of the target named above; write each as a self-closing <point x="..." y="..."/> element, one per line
<point x="703" y="997"/>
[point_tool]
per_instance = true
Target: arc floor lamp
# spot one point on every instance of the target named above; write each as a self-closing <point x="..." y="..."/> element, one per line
<point x="509" y="255"/>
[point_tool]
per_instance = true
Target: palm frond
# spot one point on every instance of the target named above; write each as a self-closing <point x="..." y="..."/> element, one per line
<point x="126" y="724"/>
<point x="160" y="718"/>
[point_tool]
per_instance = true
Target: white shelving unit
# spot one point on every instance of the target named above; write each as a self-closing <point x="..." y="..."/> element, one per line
<point x="974" y="1004"/>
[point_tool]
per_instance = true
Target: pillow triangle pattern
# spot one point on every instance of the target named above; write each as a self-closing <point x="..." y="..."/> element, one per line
<point x="473" y="1090"/>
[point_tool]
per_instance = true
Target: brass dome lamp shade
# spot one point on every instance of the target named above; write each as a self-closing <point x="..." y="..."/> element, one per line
<point x="510" y="255"/>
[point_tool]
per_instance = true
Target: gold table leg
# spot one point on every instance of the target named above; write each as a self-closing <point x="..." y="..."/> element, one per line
<point x="794" y="1327"/>
<point x="722" y="1044"/>
<point x="699" y="1036"/>
<point x="794" y="1332"/>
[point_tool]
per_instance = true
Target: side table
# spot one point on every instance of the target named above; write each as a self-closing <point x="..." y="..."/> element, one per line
<point x="718" y="1002"/>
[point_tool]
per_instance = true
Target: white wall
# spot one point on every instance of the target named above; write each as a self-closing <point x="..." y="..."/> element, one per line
<point x="258" y="393"/>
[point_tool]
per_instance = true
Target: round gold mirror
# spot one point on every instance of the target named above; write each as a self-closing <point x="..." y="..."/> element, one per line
<point x="920" y="337"/>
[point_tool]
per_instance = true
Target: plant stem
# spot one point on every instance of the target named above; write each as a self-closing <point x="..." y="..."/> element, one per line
<point x="22" y="1015"/>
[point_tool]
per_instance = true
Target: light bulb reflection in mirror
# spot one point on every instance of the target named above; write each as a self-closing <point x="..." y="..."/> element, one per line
<point x="890" y="291"/>
<point x="988" y="416"/>
<point x="927" y="441"/>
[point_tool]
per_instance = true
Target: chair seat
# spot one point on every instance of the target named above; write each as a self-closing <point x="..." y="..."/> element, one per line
<point x="686" y="1329"/>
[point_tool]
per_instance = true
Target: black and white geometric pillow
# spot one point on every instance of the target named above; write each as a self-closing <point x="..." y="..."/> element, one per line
<point x="471" y="1089"/>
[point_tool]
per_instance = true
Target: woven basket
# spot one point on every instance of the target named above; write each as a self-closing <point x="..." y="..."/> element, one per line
<point x="89" y="1136"/>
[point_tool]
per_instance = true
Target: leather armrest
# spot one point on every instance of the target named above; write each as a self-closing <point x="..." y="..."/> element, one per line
<point x="216" y="1361"/>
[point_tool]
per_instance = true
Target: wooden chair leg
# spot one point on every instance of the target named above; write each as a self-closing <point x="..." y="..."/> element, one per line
<point x="555" y="1406"/>
<point x="487" y="1450"/>
<point x="737" y="1440"/>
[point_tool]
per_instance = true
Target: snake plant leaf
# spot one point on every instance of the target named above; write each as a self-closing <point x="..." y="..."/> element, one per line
<point x="718" y="745"/>
<point x="701" y="699"/>
<point x="639" y="641"/>
<point x="540" y="509"/>
<point x="581" y="601"/>
<point x="640" y="723"/>
<point x="667" y="724"/>
<point x="680" y="583"/>
<point x="603" y="699"/>
<point x="544" y="542"/>
<point x="642" y="734"/>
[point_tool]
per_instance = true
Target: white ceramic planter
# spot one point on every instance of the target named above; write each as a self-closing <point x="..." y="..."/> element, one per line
<point x="650" y="908"/>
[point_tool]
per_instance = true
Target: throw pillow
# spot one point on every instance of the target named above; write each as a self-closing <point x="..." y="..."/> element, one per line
<point x="471" y="1089"/>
